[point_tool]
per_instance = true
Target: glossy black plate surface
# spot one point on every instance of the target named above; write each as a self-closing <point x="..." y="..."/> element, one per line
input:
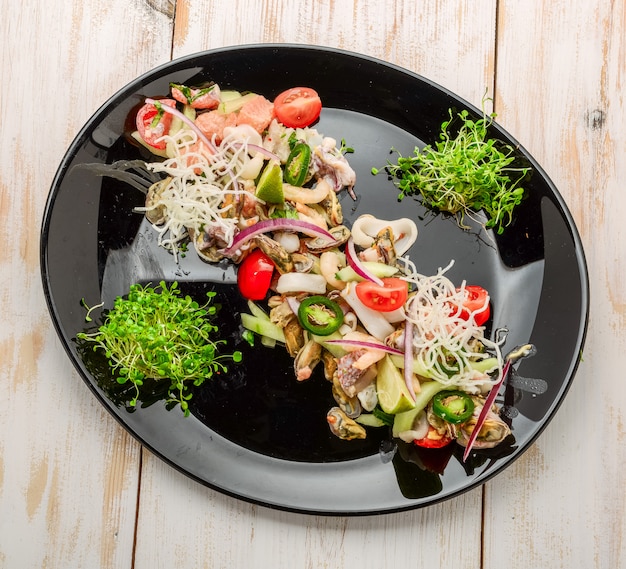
<point x="257" y="434"/>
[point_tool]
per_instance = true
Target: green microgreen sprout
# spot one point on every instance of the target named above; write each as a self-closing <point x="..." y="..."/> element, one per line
<point x="88" y="317"/>
<point x="157" y="333"/>
<point x="463" y="173"/>
<point x="344" y="148"/>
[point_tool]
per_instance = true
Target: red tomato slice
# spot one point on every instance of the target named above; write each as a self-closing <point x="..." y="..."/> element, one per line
<point x="298" y="107"/>
<point x="476" y="303"/>
<point x="153" y="123"/>
<point x="255" y="275"/>
<point x="386" y="298"/>
<point x="433" y="439"/>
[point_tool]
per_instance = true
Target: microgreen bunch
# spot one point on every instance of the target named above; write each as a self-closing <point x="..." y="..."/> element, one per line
<point x="464" y="173"/>
<point x="157" y="333"/>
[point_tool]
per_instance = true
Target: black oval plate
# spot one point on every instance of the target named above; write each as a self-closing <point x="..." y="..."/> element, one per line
<point x="256" y="433"/>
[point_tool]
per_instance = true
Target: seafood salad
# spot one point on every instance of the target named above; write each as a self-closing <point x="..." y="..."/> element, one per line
<point x="250" y="181"/>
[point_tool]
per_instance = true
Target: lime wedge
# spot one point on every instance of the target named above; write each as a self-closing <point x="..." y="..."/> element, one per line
<point x="393" y="394"/>
<point x="270" y="186"/>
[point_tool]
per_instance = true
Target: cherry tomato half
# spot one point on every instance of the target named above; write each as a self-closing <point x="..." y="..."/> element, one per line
<point x="433" y="439"/>
<point x="476" y="303"/>
<point x="254" y="275"/>
<point x="386" y="298"/>
<point x="297" y="107"/>
<point x="153" y="123"/>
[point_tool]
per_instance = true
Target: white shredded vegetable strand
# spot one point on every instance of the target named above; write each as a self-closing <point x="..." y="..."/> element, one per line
<point x="443" y="342"/>
<point x="197" y="185"/>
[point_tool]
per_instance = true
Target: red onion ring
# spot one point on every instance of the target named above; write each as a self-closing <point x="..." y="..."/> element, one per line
<point x="174" y="111"/>
<point x="485" y="410"/>
<point x="356" y="264"/>
<point x="267" y="225"/>
<point x="260" y="150"/>
<point x="293" y="303"/>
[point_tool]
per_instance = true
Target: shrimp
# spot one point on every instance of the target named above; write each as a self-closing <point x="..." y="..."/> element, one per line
<point x="306" y="195"/>
<point x="330" y="264"/>
<point x="311" y="215"/>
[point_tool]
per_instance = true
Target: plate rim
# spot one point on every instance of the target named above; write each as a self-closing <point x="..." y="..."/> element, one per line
<point x="164" y="68"/>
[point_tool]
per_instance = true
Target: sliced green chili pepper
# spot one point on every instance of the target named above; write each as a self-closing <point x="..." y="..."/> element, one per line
<point x="297" y="165"/>
<point x="453" y="406"/>
<point x="320" y="315"/>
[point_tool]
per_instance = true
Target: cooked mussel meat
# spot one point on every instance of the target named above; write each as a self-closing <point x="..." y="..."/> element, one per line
<point x="342" y="426"/>
<point x="306" y="359"/>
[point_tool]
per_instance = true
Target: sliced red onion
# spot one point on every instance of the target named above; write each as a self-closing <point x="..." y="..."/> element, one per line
<point x="408" y="357"/>
<point x="267" y="225"/>
<point x="174" y="111"/>
<point x="366" y="345"/>
<point x="485" y="410"/>
<point x="293" y="303"/>
<point x="356" y="264"/>
<point x="260" y="149"/>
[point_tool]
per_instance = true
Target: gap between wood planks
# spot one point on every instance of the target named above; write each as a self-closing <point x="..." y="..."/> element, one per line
<point x="137" y="504"/>
<point x="483" y="501"/>
<point x="167" y="8"/>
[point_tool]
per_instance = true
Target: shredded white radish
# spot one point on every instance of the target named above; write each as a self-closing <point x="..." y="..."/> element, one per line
<point x="198" y="182"/>
<point x="443" y="342"/>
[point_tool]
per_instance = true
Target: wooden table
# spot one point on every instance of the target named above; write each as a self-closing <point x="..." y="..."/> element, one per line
<point x="77" y="491"/>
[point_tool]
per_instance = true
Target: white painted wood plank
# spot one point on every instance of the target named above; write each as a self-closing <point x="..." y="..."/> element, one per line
<point x="561" y="68"/>
<point x="68" y="472"/>
<point x="451" y="43"/>
<point x="209" y="530"/>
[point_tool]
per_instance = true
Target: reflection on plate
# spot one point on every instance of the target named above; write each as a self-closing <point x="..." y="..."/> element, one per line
<point x="258" y="434"/>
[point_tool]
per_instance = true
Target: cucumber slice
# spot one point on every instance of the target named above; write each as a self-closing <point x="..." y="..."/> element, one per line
<point x="229" y="95"/>
<point x="404" y="421"/>
<point x="257" y="311"/>
<point x="262" y="327"/>
<point x="379" y="270"/>
<point x="232" y="105"/>
<point x="369" y="420"/>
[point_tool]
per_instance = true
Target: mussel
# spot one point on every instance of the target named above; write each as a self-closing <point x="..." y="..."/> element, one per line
<point x="306" y="359"/>
<point x="342" y="426"/>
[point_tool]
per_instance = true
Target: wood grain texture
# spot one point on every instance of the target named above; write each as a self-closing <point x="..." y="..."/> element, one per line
<point x="451" y="43"/>
<point x="223" y="532"/>
<point x="68" y="473"/>
<point x="561" y="69"/>
<point x="70" y="476"/>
